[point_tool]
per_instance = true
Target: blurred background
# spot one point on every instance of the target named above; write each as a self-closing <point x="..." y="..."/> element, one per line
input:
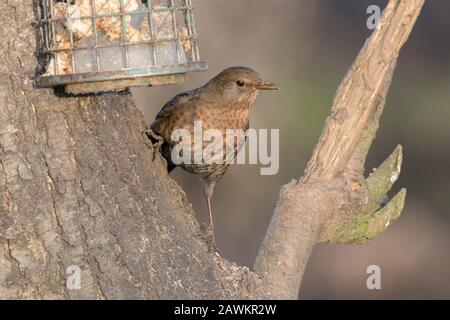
<point x="306" y="47"/>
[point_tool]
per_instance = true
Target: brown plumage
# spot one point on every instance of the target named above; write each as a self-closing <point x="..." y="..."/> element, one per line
<point x="222" y="103"/>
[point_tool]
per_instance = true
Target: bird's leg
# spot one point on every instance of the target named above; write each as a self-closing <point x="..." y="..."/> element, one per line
<point x="208" y="191"/>
<point x="210" y="229"/>
<point x="153" y="145"/>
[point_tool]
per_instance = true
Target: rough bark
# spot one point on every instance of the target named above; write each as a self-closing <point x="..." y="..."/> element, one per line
<point x="79" y="185"/>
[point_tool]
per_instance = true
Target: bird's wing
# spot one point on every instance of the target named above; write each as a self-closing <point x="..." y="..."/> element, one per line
<point x="169" y="107"/>
<point x="167" y="117"/>
<point x="166" y="120"/>
<point x="180" y="101"/>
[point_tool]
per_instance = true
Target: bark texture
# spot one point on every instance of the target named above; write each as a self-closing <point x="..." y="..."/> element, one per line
<point x="79" y="185"/>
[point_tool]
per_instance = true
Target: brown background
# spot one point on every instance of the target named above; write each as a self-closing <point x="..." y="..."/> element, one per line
<point x="306" y="46"/>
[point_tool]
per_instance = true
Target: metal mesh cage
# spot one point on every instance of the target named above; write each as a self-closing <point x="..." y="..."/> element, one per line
<point x="99" y="45"/>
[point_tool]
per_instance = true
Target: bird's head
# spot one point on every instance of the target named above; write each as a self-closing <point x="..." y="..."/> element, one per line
<point x="239" y="85"/>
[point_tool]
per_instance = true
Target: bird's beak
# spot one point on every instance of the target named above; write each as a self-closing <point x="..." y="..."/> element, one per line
<point x="267" y="86"/>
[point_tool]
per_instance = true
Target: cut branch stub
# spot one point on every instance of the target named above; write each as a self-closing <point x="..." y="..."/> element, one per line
<point x="368" y="225"/>
<point x="364" y="221"/>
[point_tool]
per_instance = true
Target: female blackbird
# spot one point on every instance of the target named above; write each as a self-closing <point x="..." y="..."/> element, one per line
<point x="222" y="103"/>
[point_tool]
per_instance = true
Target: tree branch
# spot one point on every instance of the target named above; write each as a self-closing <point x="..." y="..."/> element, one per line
<point x="333" y="202"/>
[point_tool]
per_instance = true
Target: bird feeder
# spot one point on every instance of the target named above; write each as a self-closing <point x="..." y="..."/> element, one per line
<point x="111" y="45"/>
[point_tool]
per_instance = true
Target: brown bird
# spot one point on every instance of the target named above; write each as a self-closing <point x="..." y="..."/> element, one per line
<point x="222" y="103"/>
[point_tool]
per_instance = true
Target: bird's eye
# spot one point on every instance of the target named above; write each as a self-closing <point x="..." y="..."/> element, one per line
<point x="240" y="83"/>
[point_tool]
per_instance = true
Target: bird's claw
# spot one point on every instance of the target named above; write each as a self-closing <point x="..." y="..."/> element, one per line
<point x="149" y="133"/>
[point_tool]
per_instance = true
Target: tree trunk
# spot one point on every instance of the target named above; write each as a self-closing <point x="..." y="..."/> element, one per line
<point x="80" y="186"/>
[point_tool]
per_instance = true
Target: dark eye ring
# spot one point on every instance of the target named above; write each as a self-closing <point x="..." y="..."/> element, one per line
<point x="240" y="83"/>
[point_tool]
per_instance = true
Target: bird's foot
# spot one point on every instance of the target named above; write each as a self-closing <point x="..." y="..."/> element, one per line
<point x="209" y="238"/>
<point x="153" y="140"/>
